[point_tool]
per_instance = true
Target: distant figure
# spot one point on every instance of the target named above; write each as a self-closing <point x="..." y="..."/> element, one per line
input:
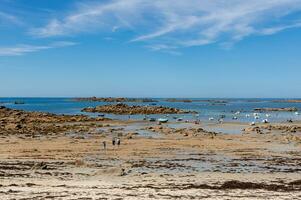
<point x="118" y="142"/>
<point x="104" y="145"/>
<point x="113" y="141"/>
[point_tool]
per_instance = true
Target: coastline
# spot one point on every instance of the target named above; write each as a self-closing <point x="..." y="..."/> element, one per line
<point x="172" y="160"/>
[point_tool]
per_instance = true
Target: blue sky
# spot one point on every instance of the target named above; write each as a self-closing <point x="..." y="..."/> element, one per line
<point x="171" y="48"/>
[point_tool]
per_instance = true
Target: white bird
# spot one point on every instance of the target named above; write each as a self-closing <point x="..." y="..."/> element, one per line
<point x="247" y="115"/>
<point x="211" y="119"/>
<point x="237" y="113"/>
<point x="256" y="117"/>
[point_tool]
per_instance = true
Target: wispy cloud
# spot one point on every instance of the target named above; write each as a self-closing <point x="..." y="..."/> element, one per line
<point x="172" y="24"/>
<point x="22" y="49"/>
<point x="6" y="18"/>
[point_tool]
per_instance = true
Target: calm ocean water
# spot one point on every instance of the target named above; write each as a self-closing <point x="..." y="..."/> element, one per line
<point x="206" y="110"/>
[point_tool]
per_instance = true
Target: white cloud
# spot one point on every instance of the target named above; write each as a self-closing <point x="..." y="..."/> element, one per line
<point x="22" y="49"/>
<point x="175" y="23"/>
<point x="6" y="18"/>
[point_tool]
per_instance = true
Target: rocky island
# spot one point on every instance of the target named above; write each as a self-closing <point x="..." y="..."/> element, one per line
<point x="293" y="109"/>
<point x="196" y="100"/>
<point x="288" y="101"/>
<point x="116" y="99"/>
<point x="124" y="109"/>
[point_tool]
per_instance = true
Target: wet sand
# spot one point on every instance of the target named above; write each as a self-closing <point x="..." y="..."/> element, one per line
<point x="182" y="161"/>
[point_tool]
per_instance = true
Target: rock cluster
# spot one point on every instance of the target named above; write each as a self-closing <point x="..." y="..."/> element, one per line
<point x="17" y="121"/>
<point x="289" y="101"/>
<point x="124" y="109"/>
<point x="181" y="131"/>
<point x="116" y="99"/>
<point x="293" y="109"/>
<point x="197" y="100"/>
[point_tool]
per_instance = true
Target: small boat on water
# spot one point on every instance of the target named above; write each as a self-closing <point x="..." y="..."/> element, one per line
<point x="180" y="119"/>
<point x="252" y="124"/>
<point x="211" y="118"/>
<point x="162" y="120"/>
<point x="265" y="121"/>
<point x="101" y="115"/>
<point x="152" y="119"/>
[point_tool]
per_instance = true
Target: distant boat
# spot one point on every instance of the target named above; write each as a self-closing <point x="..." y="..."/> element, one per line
<point x="265" y="121"/>
<point x="162" y="120"/>
<point x="252" y="124"/>
<point x="180" y="119"/>
<point x="296" y="113"/>
<point x="152" y="119"/>
<point x="211" y="119"/>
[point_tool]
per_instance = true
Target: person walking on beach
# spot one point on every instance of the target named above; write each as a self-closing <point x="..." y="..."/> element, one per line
<point x="118" y="142"/>
<point x="113" y="141"/>
<point x="104" y="145"/>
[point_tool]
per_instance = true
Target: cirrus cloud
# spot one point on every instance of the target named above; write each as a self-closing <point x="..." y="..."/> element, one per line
<point x="22" y="49"/>
<point x="174" y="24"/>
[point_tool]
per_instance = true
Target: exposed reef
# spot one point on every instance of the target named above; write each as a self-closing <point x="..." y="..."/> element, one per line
<point x="123" y="109"/>
<point x="116" y="99"/>
<point x="293" y="109"/>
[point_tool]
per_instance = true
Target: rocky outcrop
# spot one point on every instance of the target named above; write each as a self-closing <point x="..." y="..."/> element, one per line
<point x="288" y="101"/>
<point x="124" y="109"/>
<point x="293" y="109"/>
<point x="116" y="99"/>
<point x="17" y="121"/>
<point x="197" y="100"/>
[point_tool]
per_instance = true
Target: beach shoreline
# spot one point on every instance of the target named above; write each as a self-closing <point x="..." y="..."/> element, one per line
<point x="172" y="160"/>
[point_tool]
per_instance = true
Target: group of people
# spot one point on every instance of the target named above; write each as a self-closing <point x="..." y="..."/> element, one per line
<point x="115" y="141"/>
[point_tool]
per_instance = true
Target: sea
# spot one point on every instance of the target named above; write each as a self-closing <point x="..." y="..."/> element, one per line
<point x="234" y="110"/>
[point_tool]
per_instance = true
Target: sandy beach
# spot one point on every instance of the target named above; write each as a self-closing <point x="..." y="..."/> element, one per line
<point x="167" y="161"/>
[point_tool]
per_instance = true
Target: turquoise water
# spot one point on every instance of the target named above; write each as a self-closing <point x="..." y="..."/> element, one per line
<point x="206" y="110"/>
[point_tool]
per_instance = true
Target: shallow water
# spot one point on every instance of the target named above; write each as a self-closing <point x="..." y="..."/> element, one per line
<point x="205" y="109"/>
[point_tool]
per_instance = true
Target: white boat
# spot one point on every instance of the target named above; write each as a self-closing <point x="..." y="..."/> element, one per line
<point x="265" y="121"/>
<point x="296" y="113"/>
<point x="211" y="118"/>
<point x="162" y="120"/>
<point x="252" y="124"/>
